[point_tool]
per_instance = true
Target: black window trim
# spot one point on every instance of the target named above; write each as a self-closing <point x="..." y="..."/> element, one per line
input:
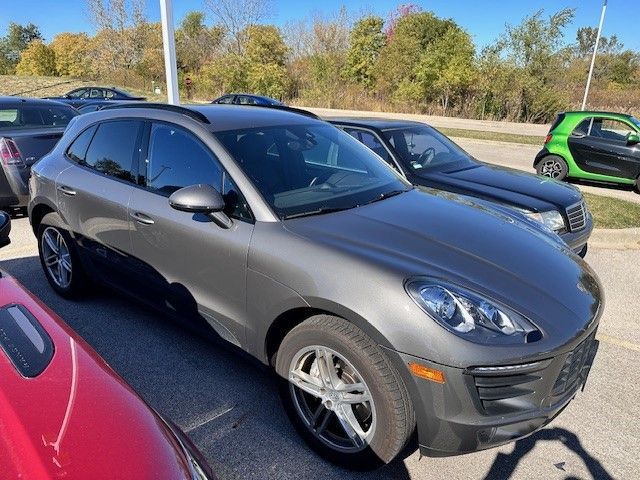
<point x="143" y="165"/>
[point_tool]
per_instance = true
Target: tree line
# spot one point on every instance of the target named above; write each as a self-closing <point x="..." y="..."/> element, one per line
<point x="412" y="60"/>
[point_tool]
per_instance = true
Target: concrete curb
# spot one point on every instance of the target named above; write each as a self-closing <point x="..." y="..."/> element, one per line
<point x="615" y="239"/>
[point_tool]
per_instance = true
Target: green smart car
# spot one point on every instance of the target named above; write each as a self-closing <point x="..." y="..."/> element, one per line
<point x="595" y="146"/>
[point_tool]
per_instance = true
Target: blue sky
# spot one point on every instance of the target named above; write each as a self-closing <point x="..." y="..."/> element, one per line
<point x="483" y="19"/>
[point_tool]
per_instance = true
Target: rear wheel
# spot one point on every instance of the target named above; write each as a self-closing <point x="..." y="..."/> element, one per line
<point x="342" y="393"/>
<point x="553" y="166"/>
<point x="58" y="257"/>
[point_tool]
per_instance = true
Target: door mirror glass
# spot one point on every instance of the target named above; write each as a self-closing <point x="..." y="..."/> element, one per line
<point x="199" y="198"/>
<point x="633" y="139"/>
<point x="5" y="228"/>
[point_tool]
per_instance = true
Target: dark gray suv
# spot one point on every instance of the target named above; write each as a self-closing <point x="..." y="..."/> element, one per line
<point x="380" y="307"/>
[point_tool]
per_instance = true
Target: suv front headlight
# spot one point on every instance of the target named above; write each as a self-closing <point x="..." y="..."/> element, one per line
<point x="551" y="219"/>
<point x="470" y="315"/>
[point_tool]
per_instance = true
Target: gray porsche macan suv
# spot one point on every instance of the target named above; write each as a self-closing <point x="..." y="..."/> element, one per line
<point x="380" y="307"/>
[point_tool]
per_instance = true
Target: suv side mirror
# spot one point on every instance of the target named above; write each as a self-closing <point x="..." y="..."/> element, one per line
<point x="201" y="198"/>
<point x="633" y="139"/>
<point x="5" y="228"/>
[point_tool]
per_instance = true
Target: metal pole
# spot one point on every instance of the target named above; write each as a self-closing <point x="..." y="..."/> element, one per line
<point x="593" y="58"/>
<point x="169" y="43"/>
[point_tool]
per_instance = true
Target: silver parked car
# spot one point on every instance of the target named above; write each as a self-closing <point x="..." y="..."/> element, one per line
<point x="382" y="308"/>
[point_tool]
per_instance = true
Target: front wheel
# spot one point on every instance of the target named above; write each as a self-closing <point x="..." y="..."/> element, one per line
<point x="552" y="166"/>
<point x="58" y="257"/>
<point x="342" y="393"/>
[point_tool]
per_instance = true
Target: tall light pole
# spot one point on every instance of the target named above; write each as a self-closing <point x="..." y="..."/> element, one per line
<point x="169" y="43"/>
<point x="593" y="58"/>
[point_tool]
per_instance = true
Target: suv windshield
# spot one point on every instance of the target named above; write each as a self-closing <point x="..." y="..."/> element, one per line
<point x="635" y="121"/>
<point x="310" y="169"/>
<point x="423" y="148"/>
<point x="31" y="116"/>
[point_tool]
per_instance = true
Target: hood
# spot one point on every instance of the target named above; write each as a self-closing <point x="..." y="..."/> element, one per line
<point x="513" y="187"/>
<point x="450" y="237"/>
<point x="70" y="416"/>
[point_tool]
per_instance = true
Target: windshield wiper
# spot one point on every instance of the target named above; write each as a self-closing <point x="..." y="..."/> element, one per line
<point x="382" y="196"/>
<point x="319" y="211"/>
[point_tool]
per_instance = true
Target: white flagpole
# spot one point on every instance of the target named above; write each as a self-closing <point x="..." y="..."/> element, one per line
<point x="169" y="43"/>
<point x="593" y="58"/>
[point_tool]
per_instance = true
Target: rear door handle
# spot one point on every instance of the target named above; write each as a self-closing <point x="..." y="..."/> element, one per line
<point x="66" y="190"/>
<point x="142" y="218"/>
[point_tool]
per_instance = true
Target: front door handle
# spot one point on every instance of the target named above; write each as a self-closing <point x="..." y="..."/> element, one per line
<point x="142" y="218"/>
<point x="66" y="190"/>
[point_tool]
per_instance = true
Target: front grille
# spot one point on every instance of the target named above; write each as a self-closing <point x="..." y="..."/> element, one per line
<point x="576" y="367"/>
<point x="577" y="215"/>
<point x="507" y="389"/>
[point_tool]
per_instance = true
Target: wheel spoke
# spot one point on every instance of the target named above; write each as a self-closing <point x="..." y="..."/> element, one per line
<point x="321" y="419"/>
<point x="61" y="274"/>
<point x="51" y="260"/>
<point x="66" y="263"/>
<point x="327" y="369"/>
<point x="51" y="243"/>
<point x="350" y="425"/>
<point x="306" y="382"/>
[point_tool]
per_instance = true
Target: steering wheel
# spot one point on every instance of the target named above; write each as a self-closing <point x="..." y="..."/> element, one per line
<point x="427" y="156"/>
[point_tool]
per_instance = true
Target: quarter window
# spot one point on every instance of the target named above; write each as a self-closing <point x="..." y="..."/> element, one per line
<point x="78" y="149"/>
<point x="177" y="160"/>
<point x="113" y="149"/>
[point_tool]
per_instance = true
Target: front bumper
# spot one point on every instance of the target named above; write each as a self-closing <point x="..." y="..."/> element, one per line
<point x="484" y="407"/>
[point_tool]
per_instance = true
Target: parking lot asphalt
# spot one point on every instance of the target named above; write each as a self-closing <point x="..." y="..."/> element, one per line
<point x="228" y="403"/>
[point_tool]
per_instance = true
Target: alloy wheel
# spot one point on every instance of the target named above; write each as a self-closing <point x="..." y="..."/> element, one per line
<point x="551" y="168"/>
<point x="332" y="399"/>
<point x="56" y="257"/>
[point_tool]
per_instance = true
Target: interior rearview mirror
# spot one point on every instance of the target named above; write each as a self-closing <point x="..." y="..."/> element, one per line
<point x="201" y="198"/>
<point x="633" y="138"/>
<point x="5" y="228"/>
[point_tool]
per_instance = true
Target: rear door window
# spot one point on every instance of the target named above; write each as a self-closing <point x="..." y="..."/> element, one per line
<point x="80" y="93"/>
<point x="113" y="149"/>
<point x="244" y="100"/>
<point x="226" y="100"/>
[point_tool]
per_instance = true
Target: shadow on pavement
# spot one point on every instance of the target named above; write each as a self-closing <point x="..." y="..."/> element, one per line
<point x="505" y="465"/>
<point x="226" y="402"/>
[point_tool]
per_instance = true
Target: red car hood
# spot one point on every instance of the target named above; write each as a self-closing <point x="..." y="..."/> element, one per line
<point x="77" y="419"/>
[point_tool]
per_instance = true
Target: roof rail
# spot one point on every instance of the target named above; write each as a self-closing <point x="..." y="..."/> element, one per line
<point x="200" y="117"/>
<point x="287" y="108"/>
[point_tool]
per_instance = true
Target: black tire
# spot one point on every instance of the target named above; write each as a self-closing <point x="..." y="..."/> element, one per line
<point x="394" y="417"/>
<point x="78" y="280"/>
<point x="552" y="166"/>
<point x="583" y="253"/>
<point x="636" y="186"/>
